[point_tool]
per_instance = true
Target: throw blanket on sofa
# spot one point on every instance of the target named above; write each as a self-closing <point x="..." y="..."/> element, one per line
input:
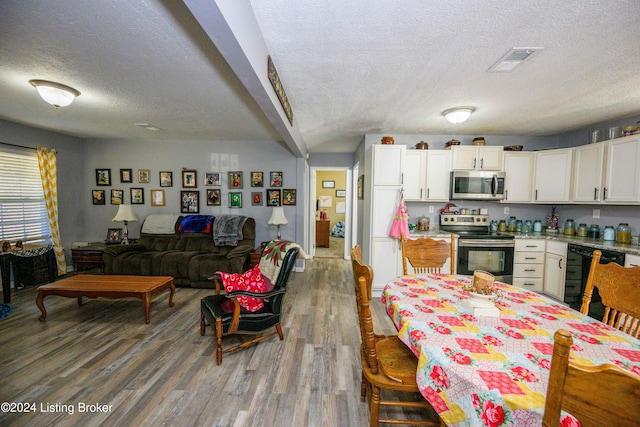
<point x="160" y="224"/>
<point x="227" y="229"/>
<point x="196" y="224"/>
<point x="272" y="256"/>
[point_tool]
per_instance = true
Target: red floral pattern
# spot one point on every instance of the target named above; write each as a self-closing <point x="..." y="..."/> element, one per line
<point x="251" y="280"/>
<point x="492" y="415"/>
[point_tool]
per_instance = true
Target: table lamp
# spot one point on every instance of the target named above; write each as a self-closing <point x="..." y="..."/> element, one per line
<point x="125" y="214"/>
<point x="278" y="218"/>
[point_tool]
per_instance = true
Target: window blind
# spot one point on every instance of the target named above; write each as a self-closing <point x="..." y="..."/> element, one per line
<point x="23" y="212"/>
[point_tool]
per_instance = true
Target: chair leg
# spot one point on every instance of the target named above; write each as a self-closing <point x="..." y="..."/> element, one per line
<point x="279" y="329"/>
<point x="219" y="341"/>
<point x="363" y="388"/>
<point x="374" y="406"/>
<point x="203" y="325"/>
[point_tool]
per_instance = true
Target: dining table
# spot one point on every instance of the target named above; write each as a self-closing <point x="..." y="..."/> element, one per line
<point x="492" y="369"/>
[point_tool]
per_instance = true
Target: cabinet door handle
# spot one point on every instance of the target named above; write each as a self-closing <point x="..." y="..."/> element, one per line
<point x="529" y="284"/>
<point x="506" y="194"/>
<point x="559" y="263"/>
<point x="529" y="257"/>
<point x="536" y="194"/>
<point x="481" y="162"/>
<point x="595" y="193"/>
<point x="474" y="162"/>
<point x="531" y="246"/>
<point x="428" y="192"/>
<point x="604" y="193"/>
<point x="402" y="178"/>
<point x="529" y="269"/>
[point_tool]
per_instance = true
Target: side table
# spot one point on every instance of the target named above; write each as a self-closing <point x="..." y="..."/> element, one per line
<point x="88" y="257"/>
<point x="254" y="257"/>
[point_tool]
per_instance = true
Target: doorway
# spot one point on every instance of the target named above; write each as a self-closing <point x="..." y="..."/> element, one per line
<point x="330" y="211"/>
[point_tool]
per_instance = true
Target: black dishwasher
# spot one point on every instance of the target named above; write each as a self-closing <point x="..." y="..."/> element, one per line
<point x="578" y="265"/>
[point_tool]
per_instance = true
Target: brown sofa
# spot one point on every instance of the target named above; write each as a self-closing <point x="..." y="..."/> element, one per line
<point x="189" y="257"/>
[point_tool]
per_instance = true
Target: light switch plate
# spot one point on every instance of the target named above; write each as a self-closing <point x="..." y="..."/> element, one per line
<point x="596" y="213"/>
<point x="431" y="208"/>
<point x="506" y="210"/>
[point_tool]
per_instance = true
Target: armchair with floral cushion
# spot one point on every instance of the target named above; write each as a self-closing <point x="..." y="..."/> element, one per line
<point x="252" y="301"/>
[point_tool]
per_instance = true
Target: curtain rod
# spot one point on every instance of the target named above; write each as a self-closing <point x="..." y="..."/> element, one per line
<point x="16" y="145"/>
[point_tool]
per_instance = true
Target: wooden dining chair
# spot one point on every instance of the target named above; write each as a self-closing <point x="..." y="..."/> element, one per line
<point x="427" y="255"/>
<point x="604" y="395"/>
<point x="619" y="288"/>
<point x="387" y="363"/>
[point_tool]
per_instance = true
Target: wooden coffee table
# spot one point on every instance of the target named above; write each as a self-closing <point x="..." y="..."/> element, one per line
<point x="94" y="286"/>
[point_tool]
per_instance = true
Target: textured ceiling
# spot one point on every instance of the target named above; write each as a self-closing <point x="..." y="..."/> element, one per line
<point x="348" y="68"/>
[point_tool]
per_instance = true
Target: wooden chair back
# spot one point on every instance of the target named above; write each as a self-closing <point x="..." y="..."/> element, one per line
<point x="426" y="255"/>
<point x="363" y="279"/>
<point x="619" y="288"/>
<point x="604" y="395"/>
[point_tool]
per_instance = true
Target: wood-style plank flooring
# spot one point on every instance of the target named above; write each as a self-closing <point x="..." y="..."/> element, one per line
<point x="165" y="373"/>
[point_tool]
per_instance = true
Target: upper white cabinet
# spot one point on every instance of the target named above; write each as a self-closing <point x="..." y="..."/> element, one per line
<point x="622" y="171"/>
<point x="426" y="175"/>
<point x="473" y="157"/>
<point x="518" y="166"/>
<point x="415" y="174"/>
<point x="553" y="175"/>
<point x="388" y="164"/>
<point x="587" y="173"/>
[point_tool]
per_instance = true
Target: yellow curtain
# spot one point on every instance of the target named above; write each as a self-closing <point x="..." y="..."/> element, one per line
<point x="48" y="173"/>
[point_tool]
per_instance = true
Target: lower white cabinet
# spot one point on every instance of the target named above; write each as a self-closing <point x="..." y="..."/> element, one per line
<point x="386" y="257"/>
<point x="632" y="260"/>
<point x="554" y="269"/>
<point x="528" y="264"/>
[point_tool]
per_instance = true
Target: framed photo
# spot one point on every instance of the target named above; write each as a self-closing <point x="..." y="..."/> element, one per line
<point x="126" y="175"/>
<point x="256" y="198"/>
<point x="189" y="179"/>
<point x="114" y="235"/>
<point x="213" y="197"/>
<point x="103" y="176"/>
<point x="341" y="193"/>
<point x="117" y="197"/>
<point x="190" y="202"/>
<point x="275" y="179"/>
<point x="235" y="199"/>
<point x="98" y="197"/>
<point x="235" y="179"/>
<point x="288" y="197"/>
<point x="325" y="201"/>
<point x="273" y="197"/>
<point x="257" y="179"/>
<point x="144" y="176"/>
<point x="212" y="178"/>
<point x="157" y="198"/>
<point x="166" y="179"/>
<point x="328" y="184"/>
<point x="361" y="187"/>
<point x="137" y="196"/>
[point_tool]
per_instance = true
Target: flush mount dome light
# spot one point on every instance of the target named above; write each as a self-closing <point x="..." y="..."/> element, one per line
<point x="458" y="114"/>
<point x="56" y="94"/>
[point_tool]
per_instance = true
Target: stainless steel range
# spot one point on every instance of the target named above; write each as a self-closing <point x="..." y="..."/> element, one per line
<point x="478" y="248"/>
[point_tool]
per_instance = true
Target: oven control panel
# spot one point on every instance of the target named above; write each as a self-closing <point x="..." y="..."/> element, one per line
<point x="464" y="220"/>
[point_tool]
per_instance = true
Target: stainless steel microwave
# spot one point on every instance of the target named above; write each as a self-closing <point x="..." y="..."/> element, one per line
<point x="477" y="185"/>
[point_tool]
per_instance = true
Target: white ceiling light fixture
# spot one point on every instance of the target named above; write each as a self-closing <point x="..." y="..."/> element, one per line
<point x="56" y="94"/>
<point x="513" y="58"/>
<point x="458" y="115"/>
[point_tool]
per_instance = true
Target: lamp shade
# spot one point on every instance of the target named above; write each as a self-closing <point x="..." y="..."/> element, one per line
<point x="277" y="216"/>
<point x="458" y="115"/>
<point x="125" y="213"/>
<point x="56" y="94"/>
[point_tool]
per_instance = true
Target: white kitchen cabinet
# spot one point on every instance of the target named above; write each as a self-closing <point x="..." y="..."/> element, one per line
<point x="528" y="264"/>
<point x="631" y="260"/>
<point x="473" y="157"/>
<point x="622" y="171"/>
<point x="426" y="175"/>
<point x="588" y="171"/>
<point x="385" y="202"/>
<point x="386" y="258"/>
<point x="553" y="176"/>
<point x="554" y="269"/>
<point x="388" y="164"/>
<point x="518" y="167"/>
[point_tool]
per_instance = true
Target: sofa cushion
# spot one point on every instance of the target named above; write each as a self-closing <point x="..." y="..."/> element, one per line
<point x="196" y="224"/>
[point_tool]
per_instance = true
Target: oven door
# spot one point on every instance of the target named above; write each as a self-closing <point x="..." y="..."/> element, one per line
<point x="493" y="256"/>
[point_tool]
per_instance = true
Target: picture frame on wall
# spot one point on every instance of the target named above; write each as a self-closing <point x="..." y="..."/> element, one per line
<point x="361" y="187"/>
<point x="275" y="179"/>
<point x="157" y="198"/>
<point x="117" y="197"/>
<point x="126" y="175"/>
<point x="144" y="176"/>
<point x="212" y="179"/>
<point x="166" y="179"/>
<point x="273" y="197"/>
<point x="341" y="193"/>
<point x="257" y="179"/>
<point x="256" y="198"/>
<point x="137" y="196"/>
<point x="103" y="177"/>
<point x="235" y="180"/>
<point x="288" y="197"/>
<point x="189" y="179"/>
<point x="235" y="199"/>
<point x="213" y="197"/>
<point x="328" y="184"/>
<point x="98" y="197"/>
<point x="114" y="235"/>
<point x="190" y="202"/>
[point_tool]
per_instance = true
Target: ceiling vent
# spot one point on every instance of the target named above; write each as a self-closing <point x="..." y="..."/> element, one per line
<point x="148" y="126"/>
<point x="513" y="58"/>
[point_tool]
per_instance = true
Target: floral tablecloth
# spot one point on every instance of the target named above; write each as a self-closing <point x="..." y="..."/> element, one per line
<point x="493" y="371"/>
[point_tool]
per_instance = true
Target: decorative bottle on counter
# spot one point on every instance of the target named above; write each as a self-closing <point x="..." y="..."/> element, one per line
<point x="609" y="233"/>
<point x="594" y="231"/>
<point x="537" y="226"/>
<point x="512" y="226"/>
<point x="502" y="226"/>
<point x="582" y="230"/>
<point x="493" y="226"/>
<point x="569" y="227"/>
<point x="623" y="233"/>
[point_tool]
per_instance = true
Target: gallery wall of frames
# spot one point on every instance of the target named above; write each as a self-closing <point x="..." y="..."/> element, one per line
<point x="255" y="188"/>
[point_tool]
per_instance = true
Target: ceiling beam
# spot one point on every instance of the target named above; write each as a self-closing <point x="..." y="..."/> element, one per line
<point x="232" y="27"/>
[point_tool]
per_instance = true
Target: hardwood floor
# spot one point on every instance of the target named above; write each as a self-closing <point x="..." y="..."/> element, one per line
<point x="165" y="373"/>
